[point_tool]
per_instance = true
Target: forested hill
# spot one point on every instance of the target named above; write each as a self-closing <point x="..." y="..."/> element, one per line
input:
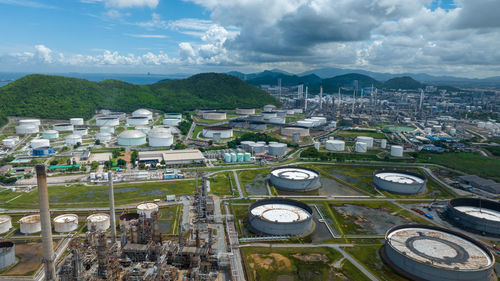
<point x="58" y="97"/>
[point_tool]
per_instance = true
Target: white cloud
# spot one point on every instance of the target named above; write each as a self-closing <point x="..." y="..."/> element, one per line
<point x="120" y="4"/>
<point x="158" y="36"/>
<point x="43" y="53"/>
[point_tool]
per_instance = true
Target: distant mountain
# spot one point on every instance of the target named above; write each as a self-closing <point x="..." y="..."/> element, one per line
<point x="347" y="81"/>
<point x="58" y="97"/>
<point x="271" y="78"/>
<point x="404" y="83"/>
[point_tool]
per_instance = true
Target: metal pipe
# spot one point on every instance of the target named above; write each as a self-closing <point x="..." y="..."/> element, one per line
<point x="112" y="215"/>
<point x="47" y="244"/>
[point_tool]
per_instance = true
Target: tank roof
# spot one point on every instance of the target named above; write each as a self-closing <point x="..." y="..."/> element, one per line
<point x="4" y="218"/>
<point x="131" y="134"/>
<point x="98" y="217"/>
<point x="281" y="213"/>
<point x="30" y="219"/>
<point x="50" y="132"/>
<point x="147" y="206"/>
<point x="66" y="218"/>
<point x="142" y="111"/>
<point x="440" y="248"/>
<point x="294" y="173"/>
<point x="401" y="177"/>
<point x="218" y="128"/>
<point x="482" y="213"/>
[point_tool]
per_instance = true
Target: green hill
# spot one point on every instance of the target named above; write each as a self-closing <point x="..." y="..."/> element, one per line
<point x="58" y="97"/>
<point x="271" y="78"/>
<point x="404" y="83"/>
<point x="347" y="80"/>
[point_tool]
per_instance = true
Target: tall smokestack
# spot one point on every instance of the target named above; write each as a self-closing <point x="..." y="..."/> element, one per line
<point x="305" y="100"/>
<point x="112" y="215"/>
<point x="47" y="244"/>
<point x="321" y="97"/>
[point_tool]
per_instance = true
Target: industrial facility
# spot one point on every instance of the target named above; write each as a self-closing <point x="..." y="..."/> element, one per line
<point x="224" y="132"/>
<point x="137" y="121"/>
<point x="292" y="178"/>
<point x="131" y="138"/>
<point x="400" y="182"/>
<point x="143" y="113"/>
<point x="214" y="115"/>
<point x="475" y="214"/>
<point x="431" y="253"/>
<point x="107" y="121"/>
<point x="160" y="137"/>
<point x="279" y="216"/>
<point x="65" y="223"/>
<point x="63" y="127"/>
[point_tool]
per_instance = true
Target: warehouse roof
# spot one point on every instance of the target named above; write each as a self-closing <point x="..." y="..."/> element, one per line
<point x="478" y="182"/>
<point x="172" y="156"/>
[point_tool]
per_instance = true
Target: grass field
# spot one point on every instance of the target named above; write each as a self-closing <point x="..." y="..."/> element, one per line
<point x="353" y="134"/>
<point x="369" y="256"/>
<point x="220" y="184"/>
<point x="77" y="195"/>
<point x="296" y="264"/>
<point x="470" y="163"/>
<point x="197" y="129"/>
<point x="248" y="177"/>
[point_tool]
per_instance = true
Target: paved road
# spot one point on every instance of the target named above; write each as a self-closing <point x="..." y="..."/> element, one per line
<point x="237" y="181"/>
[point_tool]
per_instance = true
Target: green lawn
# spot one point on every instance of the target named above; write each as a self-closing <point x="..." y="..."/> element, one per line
<point x="298" y="264"/>
<point x="197" y="129"/>
<point x="248" y="176"/>
<point x="97" y="196"/>
<point x="470" y="163"/>
<point x="353" y="134"/>
<point x="220" y="184"/>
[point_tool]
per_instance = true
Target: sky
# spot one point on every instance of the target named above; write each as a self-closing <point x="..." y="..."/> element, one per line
<point x="438" y="37"/>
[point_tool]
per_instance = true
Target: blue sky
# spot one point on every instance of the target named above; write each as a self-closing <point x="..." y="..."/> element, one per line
<point x="174" y="36"/>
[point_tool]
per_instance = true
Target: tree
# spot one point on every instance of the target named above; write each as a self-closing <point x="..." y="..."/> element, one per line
<point x="54" y="162"/>
<point x="122" y="162"/>
<point x="116" y="153"/>
<point x="94" y="165"/>
<point x="97" y="142"/>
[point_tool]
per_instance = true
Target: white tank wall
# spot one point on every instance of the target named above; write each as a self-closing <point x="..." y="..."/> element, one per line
<point x="51" y="134"/>
<point x="137" y="121"/>
<point x="161" y="140"/>
<point x="107" y="121"/>
<point x="214" y="115"/>
<point x="98" y="222"/>
<point x="207" y="133"/>
<point x="27" y="129"/>
<point x="65" y="223"/>
<point x="335" y="145"/>
<point x="383" y="143"/>
<point x="132" y="141"/>
<point x="9" y="142"/>
<point x="277" y="120"/>
<point x="303" y="123"/>
<point x="147" y="209"/>
<point x="245" y="111"/>
<point x="269" y="115"/>
<point x="30" y="224"/>
<point x="7" y="255"/>
<point x="361" y="147"/>
<point x="30" y="122"/>
<point x="171" y="122"/>
<point x="36" y="143"/>
<point x="73" y="139"/>
<point x="275" y="228"/>
<point x="396" y="151"/>
<point x="76" y="121"/>
<point x="5" y="223"/>
<point x="143" y="113"/>
<point x="63" y="127"/>
<point x="367" y="140"/>
<point x="81" y="132"/>
<point x="290" y="131"/>
<point x="103" y="137"/>
<point x="107" y="129"/>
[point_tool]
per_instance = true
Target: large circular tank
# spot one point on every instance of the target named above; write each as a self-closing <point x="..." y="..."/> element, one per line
<point x="256" y="117"/>
<point x="73" y="139"/>
<point x="360" y="147"/>
<point x="171" y="121"/>
<point x="475" y="214"/>
<point x="9" y="142"/>
<point x="294" y="178"/>
<point x="396" y="151"/>
<point x="143" y="113"/>
<point x="257" y="125"/>
<point x="367" y="140"/>
<point x="29" y="122"/>
<point x="5" y="223"/>
<point x="131" y="137"/>
<point x="214" y="115"/>
<point x="107" y="129"/>
<point x="279" y="216"/>
<point x="127" y="219"/>
<point x="137" y="121"/>
<point x="245" y="111"/>
<point x="431" y="253"/>
<point x="290" y="131"/>
<point x="269" y="114"/>
<point x="401" y="182"/>
<point x="98" y="222"/>
<point x="36" y="143"/>
<point x="103" y="137"/>
<point x="63" y="127"/>
<point x="27" y="129"/>
<point x="277" y="149"/>
<point x="322" y="120"/>
<point x="269" y="107"/>
<point x="383" y="143"/>
<point x="65" y="223"/>
<point x="81" y="131"/>
<point x="257" y="148"/>
<point x="30" y="224"/>
<point x="50" y="134"/>
<point x="304" y="123"/>
<point x="277" y="120"/>
<point x="147" y="209"/>
<point x="107" y="121"/>
<point x="7" y="254"/>
<point x="160" y="137"/>
<point x="335" y="145"/>
<point x="225" y="132"/>
<point x="76" y="121"/>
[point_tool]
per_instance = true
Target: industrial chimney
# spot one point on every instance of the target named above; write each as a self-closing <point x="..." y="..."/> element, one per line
<point x="112" y="215"/>
<point x="43" y="199"/>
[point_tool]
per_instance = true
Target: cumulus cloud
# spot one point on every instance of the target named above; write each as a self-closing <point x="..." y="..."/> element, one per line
<point x="120" y="4"/>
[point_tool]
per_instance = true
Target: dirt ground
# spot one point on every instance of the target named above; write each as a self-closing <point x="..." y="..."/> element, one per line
<point x="274" y="260"/>
<point x="311" y="257"/>
<point x="29" y="259"/>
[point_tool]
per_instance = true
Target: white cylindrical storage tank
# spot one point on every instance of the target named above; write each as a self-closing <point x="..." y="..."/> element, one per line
<point x="277" y="120"/>
<point x="30" y="224"/>
<point x="304" y="123"/>
<point x="400" y="182"/>
<point x="143" y="113"/>
<point x="103" y="137"/>
<point x="9" y="142"/>
<point x="428" y="130"/>
<point x="453" y="131"/>
<point x="81" y="131"/>
<point x="50" y="134"/>
<point x="315" y="122"/>
<point x="269" y="115"/>
<point x="383" y="143"/>
<point x="5" y="223"/>
<point x="277" y="149"/>
<point x="476" y="214"/>
<point x="269" y="107"/>
<point x="73" y="139"/>
<point x="316" y="145"/>
<point x="234" y="157"/>
<point x="279" y="216"/>
<point x="160" y="137"/>
<point x="29" y="122"/>
<point x="360" y="147"/>
<point x="335" y="145"/>
<point x="171" y="121"/>
<point x="396" y="151"/>
<point x="27" y="129"/>
<point x="36" y="143"/>
<point x="131" y="137"/>
<point x="256" y="117"/>
<point x="245" y="111"/>
<point x="98" y="222"/>
<point x="214" y="115"/>
<point x="107" y="121"/>
<point x="294" y="178"/>
<point x="107" y="129"/>
<point x="246" y="144"/>
<point x="7" y="254"/>
<point x="257" y="148"/>
<point x="290" y="131"/>
<point x="431" y="253"/>
<point x="76" y="121"/>
<point x="65" y="223"/>
<point x="147" y="209"/>
<point x="63" y="127"/>
<point x="144" y="129"/>
<point x="137" y="121"/>
<point x="367" y="140"/>
<point x="322" y="120"/>
<point x="226" y="132"/>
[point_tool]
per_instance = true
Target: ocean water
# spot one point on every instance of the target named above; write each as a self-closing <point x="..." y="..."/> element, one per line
<point x="142" y="79"/>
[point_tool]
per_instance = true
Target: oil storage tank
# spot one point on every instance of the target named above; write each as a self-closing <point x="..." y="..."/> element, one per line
<point x="160" y="137"/>
<point x="81" y="131"/>
<point x="50" y="134"/>
<point x="7" y="254"/>
<point x="131" y="137"/>
<point x="29" y="122"/>
<point x="257" y="125"/>
<point x="277" y="149"/>
<point x="290" y="131"/>
<point x="98" y="222"/>
<point x="30" y="224"/>
<point x="73" y="139"/>
<point x="225" y="132"/>
<point x="76" y="121"/>
<point x="143" y="113"/>
<point x="396" y="151"/>
<point x="214" y="115"/>
<point x="65" y="223"/>
<point x="107" y="121"/>
<point x="137" y="121"/>
<point x="292" y="178"/>
<point x="245" y="111"/>
<point x="27" y="129"/>
<point x="432" y="253"/>
<point x="147" y="209"/>
<point x="475" y="214"/>
<point x="63" y="127"/>
<point x="367" y="140"/>
<point x="279" y="216"/>
<point x="400" y="182"/>
<point x="360" y="147"/>
<point x="103" y="137"/>
<point x="5" y="223"/>
<point x="335" y="145"/>
<point x="36" y="143"/>
<point x="107" y="129"/>
<point x="256" y="117"/>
